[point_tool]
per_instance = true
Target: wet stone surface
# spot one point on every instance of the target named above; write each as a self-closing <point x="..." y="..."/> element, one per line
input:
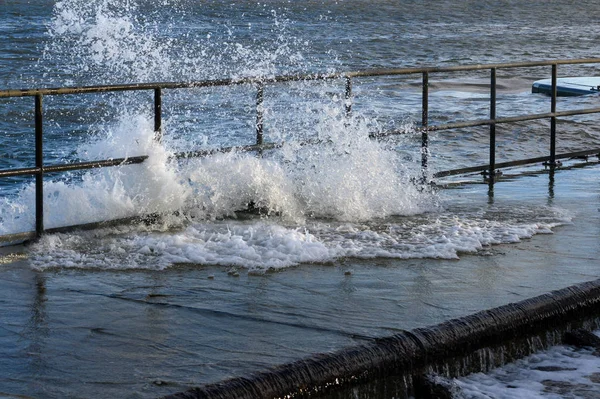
<point x="107" y="333"/>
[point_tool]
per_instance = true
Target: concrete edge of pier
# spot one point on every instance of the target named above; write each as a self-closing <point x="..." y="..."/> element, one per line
<point x="473" y="343"/>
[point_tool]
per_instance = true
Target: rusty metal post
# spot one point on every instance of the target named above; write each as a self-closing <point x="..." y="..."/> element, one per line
<point x="39" y="164"/>
<point x="424" y="121"/>
<point x="259" y="113"/>
<point x="158" y="114"/>
<point x="553" y="118"/>
<point x="348" y="97"/>
<point x="492" y="171"/>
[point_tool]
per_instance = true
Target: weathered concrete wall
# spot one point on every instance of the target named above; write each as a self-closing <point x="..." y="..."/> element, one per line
<point x="472" y="343"/>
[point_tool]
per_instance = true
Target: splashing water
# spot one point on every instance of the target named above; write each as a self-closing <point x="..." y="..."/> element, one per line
<point x="318" y="202"/>
<point x="137" y="41"/>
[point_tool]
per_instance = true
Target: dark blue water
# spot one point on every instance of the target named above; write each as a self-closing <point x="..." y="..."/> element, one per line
<point x="348" y="198"/>
<point x="75" y="43"/>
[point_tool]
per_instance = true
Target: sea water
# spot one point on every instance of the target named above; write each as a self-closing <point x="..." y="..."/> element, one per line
<point x="347" y="178"/>
<point x="349" y="197"/>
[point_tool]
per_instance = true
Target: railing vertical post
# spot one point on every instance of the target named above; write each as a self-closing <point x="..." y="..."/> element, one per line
<point x="424" y="121"/>
<point x="492" y="125"/>
<point x="158" y="114"/>
<point x="348" y="97"/>
<point x="39" y="164"/>
<point x="259" y="113"/>
<point x="553" y="118"/>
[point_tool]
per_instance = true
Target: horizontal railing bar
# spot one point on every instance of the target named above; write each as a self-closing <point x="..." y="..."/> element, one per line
<point x="73" y="166"/>
<point x="112" y="88"/>
<point x="471" y="67"/>
<point x="285" y="78"/>
<point x="95" y="164"/>
<point x="520" y="162"/>
<point x="104" y="223"/>
<point x="17" y="237"/>
<point x="484" y="122"/>
<point x="19" y="172"/>
<point x="162" y="85"/>
<point x="137" y="160"/>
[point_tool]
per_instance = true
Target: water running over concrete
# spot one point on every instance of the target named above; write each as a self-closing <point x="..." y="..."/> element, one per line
<point x="146" y="333"/>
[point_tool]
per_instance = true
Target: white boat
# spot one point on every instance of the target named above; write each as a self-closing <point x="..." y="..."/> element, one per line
<point x="575" y="86"/>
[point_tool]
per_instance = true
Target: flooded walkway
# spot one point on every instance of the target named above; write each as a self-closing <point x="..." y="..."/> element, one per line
<point x="92" y="333"/>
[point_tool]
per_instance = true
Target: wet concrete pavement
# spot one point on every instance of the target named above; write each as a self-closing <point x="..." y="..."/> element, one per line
<point x="91" y="333"/>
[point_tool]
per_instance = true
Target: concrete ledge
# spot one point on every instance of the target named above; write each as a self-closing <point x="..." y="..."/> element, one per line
<point x="454" y="347"/>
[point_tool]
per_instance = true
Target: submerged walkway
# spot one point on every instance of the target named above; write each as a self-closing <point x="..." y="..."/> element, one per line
<point x="88" y="333"/>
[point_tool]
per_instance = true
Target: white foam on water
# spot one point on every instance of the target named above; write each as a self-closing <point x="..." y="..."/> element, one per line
<point x="256" y="246"/>
<point x="560" y="372"/>
<point x="259" y="244"/>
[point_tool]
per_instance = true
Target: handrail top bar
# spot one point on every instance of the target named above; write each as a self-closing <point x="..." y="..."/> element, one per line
<point x="469" y="67"/>
<point x="163" y="85"/>
<point x="67" y="167"/>
<point x="286" y="78"/>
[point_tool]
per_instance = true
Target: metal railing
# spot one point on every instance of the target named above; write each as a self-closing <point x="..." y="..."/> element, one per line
<point x="40" y="169"/>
